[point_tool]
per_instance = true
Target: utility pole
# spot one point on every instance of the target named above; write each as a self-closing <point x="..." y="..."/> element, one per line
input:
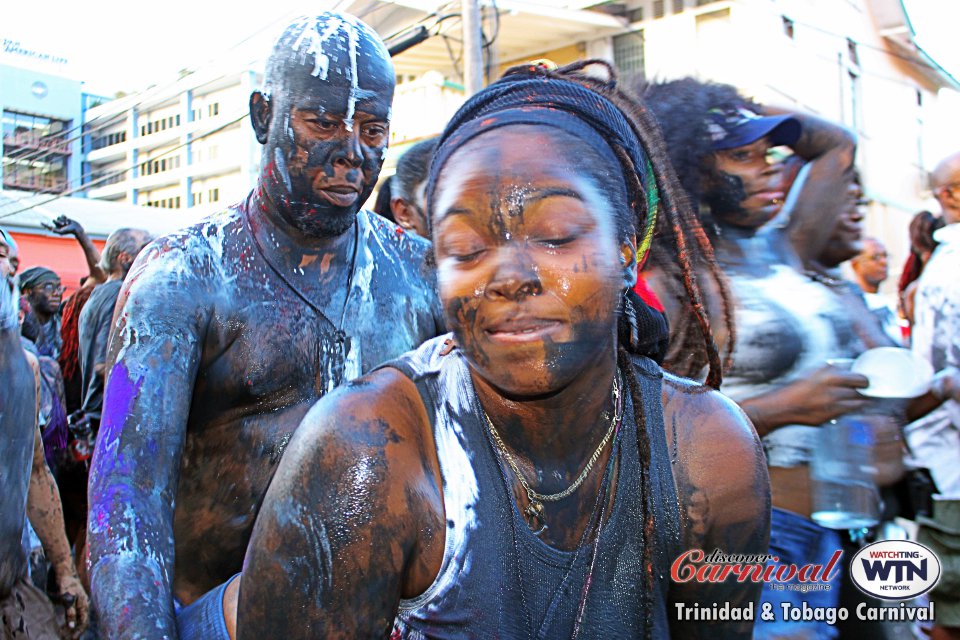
<point x="472" y="46"/>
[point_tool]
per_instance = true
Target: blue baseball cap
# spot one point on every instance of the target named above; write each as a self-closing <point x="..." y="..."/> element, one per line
<point x="731" y="128"/>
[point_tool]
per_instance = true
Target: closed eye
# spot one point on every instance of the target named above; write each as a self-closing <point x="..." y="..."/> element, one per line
<point x="557" y="242"/>
<point x="467" y="257"/>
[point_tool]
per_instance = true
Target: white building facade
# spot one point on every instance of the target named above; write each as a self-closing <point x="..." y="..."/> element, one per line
<point x="188" y="143"/>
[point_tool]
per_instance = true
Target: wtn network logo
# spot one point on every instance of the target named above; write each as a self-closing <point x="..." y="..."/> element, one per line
<point x="895" y="569"/>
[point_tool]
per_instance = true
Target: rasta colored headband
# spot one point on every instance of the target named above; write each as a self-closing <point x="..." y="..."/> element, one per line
<point x="566" y="105"/>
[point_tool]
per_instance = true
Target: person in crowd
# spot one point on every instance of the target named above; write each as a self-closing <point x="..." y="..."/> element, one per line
<point x="767" y="234"/>
<point x="96" y="319"/>
<point x="69" y="359"/>
<point x="526" y="477"/>
<point x="28" y="490"/>
<point x="381" y="206"/>
<point x="935" y="439"/>
<point x="227" y="332"/>
<point x="12" y="250"/>
<point x="922" y="244"/>
<point x="22" y="605"/>
<point x="42" y="290"/>
<point x="407" y="201"/>
<point x="37" y="339"/>
<point x="870" y="270"/>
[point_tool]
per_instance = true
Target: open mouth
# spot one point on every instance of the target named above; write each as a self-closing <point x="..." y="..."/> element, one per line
<point x="521" y="330"/>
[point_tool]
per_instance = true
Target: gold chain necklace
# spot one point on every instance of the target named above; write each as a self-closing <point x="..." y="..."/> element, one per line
<point x="534" y="510"/>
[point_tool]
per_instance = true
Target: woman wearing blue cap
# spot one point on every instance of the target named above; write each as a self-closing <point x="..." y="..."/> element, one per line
<point x="767" y="222"/>
<point x="534" y="474"/>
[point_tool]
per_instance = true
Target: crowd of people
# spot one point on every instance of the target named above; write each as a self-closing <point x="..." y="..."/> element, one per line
<point x="586" y="329"/>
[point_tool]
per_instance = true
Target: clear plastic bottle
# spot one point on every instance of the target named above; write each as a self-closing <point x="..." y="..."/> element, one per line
<point x="845" y="495"/>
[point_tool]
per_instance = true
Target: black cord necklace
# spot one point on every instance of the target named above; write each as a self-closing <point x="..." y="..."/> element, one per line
<point x="339" y="346"/>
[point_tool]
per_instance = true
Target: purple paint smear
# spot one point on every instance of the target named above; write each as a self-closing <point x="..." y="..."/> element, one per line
<point x="117" y="401"/>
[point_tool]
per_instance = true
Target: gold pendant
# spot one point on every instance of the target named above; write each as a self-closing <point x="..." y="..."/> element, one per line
<point x="534" y="515"/>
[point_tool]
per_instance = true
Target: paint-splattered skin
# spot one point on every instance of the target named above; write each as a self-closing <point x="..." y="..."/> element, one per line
<point x="724" y="490"/>
<point x="45" y="512"/>
<point x="214" y="363"/>
<point x="354" y="520"/>
<point x="18" y="405"/>
<point x="225" y="334"/>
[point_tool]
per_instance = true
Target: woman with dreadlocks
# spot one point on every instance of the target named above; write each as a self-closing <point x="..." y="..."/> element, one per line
<point x="769" y="224"/>
<point x="533" y="476"/>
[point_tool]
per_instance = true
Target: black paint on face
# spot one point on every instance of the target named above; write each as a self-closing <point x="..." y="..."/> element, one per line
<point x="45" y="303"/>
<point x="725" y="199"/>
<point x="744" y="188"/>
<point x="528" y="258"/>
<point x="332" y="84"/>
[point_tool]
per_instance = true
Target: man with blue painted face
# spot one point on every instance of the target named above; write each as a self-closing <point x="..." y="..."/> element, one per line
<point x="227" y="332"/>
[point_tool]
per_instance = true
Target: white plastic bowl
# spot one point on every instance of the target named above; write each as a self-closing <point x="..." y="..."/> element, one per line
<point x="893" y="373"/>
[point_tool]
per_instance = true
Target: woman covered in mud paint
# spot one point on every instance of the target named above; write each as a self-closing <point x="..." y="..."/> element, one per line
<point x="529" y="478"/>
<point x="769" y="230"/>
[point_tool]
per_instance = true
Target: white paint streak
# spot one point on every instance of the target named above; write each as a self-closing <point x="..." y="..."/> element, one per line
<point x="354" y="83"/>
<point x="281" y="163"/>
<point x="9" y="305"/>
<point x="315" y="43"/>
<point x="461" y="491"/>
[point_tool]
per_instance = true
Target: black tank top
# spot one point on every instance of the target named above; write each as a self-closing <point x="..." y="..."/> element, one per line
<point x="497" y="578"/>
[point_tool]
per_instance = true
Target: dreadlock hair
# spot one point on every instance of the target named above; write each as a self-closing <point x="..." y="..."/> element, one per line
<point x="680" y="108"/>
<point x="654" y="197"/>
<point x="679" y="240"/>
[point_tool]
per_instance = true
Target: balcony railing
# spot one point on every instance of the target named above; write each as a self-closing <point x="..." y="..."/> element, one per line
<point x="45" y="184"/>
<point x="38" y="142"/>
<point x="103" y="178"/>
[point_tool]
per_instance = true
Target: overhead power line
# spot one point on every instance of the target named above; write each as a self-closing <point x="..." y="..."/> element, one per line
<point x="120" y="171"/>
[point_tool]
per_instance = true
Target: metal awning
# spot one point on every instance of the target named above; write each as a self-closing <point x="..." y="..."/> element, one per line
<point x="526" y="29"/>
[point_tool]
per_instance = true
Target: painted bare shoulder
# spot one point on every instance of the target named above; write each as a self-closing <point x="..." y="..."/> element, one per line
<point x="723" y="491"/>
<point x="356" y="470"/>
<point x="199" y="252"/>
<point x="691" y="403"/>
<point x="718" y="462"/>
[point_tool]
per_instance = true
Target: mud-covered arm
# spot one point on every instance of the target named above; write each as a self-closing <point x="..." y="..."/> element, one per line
<point x="18" y="407"/>
<point x="338" y="528"/>
<point x="820" y="193"/>
<point x="724" y="495"/>
<point x="46" y="516"/>
<point x="152" y="363"/>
